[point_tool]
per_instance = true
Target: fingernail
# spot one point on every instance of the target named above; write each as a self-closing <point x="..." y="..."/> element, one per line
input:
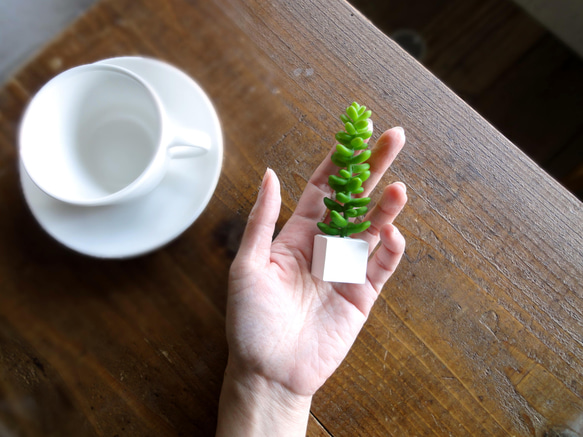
<point x="393" y="230"/>
<point x="402" y="185"/>
<point x="264" y="180"/>
<point x="400" y="129"/>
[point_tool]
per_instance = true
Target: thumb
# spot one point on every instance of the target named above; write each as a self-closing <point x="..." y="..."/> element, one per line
<point x="256" y="241"/>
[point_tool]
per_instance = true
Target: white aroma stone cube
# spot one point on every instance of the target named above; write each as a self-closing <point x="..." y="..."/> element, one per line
<point x="337" y="259"/>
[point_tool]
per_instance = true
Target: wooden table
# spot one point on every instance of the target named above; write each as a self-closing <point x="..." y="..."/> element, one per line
<point x="480" y="331"/>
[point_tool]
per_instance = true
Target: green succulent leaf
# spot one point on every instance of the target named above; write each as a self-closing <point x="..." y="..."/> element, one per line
<point x="359" y="168"/>
<point x="337" y="219"/>
<point x="359" y="201"/>
<point x="343" y="198"/>
<point x="357" y="143"/>
<point x="355" y="212"/>
<point x="352" y="112"/>
<point x="361" y="157"/>
<point x="337" y="180"/>
<point x="355" y="228"/>
<point x="364" y="175"/>
<point x="343" y="138"/>
<point x="345" y="173"/>
<point x="353" y="185"/>
<point x="365" y="135"/>
<point x="361" y="125"/>
<point x="344" y="151"/>
<point x="350" y="128"/>
<point x="328" y="229"/>
<point x="336" y="187"/>
<point x="360" y="211"/>
<point x="332" y="205"/>
<point x="339" y="160"/>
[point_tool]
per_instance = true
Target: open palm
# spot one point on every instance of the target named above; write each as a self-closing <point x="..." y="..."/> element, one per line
<point x="285" y="325"/>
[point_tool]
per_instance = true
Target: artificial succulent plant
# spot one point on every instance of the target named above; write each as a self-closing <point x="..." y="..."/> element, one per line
<point x="351" y="155"/>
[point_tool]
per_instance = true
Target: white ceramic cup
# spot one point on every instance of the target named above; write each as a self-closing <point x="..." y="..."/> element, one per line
<point x="98" y="134"/>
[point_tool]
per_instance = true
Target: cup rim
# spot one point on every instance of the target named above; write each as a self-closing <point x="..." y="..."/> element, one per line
<point x="133" y="185"/>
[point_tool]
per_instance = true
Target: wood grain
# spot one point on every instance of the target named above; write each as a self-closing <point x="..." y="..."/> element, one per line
<point x="504" y="63"/>
<point x="478" y="333"/>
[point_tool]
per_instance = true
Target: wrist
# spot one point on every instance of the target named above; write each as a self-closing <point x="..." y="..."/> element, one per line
<point x="251" y="405"/>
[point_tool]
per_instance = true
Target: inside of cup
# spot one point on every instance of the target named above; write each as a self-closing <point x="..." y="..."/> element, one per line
<point x="90" y="133"/>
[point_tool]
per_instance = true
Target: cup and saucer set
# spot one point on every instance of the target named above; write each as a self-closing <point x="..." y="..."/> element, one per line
<point x="119" y="157"/>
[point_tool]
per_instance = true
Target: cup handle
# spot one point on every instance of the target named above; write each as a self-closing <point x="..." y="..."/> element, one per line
<point x="188" y="143"/>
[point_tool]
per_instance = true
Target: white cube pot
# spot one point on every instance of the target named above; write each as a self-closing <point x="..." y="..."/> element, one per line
<point x="337" y="259"/>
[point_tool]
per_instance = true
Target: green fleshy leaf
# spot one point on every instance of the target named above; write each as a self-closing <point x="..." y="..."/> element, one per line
<point x="355" y="212"/>
<point x="361" y="125"/>
<point x="343" y="138"/>
<point x="328" y="229"/>
<point x="364" y="175"/>
<point x="337" y="219"/>
<point x="344" y="151"/>
<point x="336" y="187"/>
<point x="360" y="158"/>
<point x="360" y="211"/>
<point x="339" y="160"/>
<point x="359" y="168"/>
<point x="345" y="173"/>
<point x="355" y="228"/>
<point x="337" y="180"/>
<point x="353" y="185"/>
<point x="343" y="198"/>
<point x="356" y="143"/>
<point x="350" y="128"/>
<point x="332" y="205"/>
<point x="365" y="135"/>
<point x="360" y="201"/>
<point x="352" y="113"/>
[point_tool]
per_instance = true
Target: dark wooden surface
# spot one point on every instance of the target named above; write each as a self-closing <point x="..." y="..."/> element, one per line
<point x="478" y="333"/>
<point x="510" y="68"/>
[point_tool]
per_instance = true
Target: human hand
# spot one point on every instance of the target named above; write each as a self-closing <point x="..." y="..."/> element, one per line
<point x="287" y="330"/>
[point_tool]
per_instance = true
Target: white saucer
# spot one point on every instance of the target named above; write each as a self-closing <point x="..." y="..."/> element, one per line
<point x="145" y="224"/>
